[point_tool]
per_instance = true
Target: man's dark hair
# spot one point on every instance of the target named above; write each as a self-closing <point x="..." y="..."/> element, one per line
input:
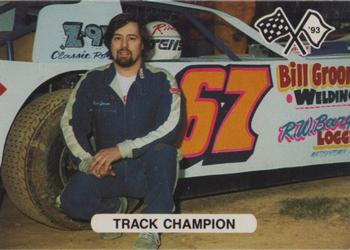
<point x="121" y="20"/>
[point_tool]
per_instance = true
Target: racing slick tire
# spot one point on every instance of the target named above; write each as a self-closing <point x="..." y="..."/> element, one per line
<point x="37" y="164"/>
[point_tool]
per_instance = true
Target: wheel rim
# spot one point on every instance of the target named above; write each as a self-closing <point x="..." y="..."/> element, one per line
<point x="66" y="167"/>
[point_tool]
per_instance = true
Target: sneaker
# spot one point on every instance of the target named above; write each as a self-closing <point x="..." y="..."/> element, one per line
<point x="147" y="241"/>
<point x="121" y="210"/>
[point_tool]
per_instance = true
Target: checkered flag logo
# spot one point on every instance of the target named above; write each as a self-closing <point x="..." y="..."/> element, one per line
<point x="274" y="26"/>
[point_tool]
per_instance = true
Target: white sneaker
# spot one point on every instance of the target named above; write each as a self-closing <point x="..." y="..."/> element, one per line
<point x="147" y="241"/>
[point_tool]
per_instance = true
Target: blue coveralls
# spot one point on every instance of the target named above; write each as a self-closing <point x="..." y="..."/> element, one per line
<point x="145" y="129"/>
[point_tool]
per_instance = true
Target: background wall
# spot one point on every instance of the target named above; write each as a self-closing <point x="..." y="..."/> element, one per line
<point x="23" y="48"/>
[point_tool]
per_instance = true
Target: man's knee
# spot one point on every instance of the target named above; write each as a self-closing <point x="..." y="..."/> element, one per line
<point x="162" y="157"/>
<point x="78" y="194"/>
<point x="161" y="160"/>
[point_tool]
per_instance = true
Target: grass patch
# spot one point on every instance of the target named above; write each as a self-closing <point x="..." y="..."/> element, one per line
<point x="315" y="208"/>
<point x="344" y="208"/>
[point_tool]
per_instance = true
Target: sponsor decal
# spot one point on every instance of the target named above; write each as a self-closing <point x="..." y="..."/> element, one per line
<point x="78" y="37"/>
<point x="165" y="41"/>
<point x="220" y="104"/>
<point x="75" y="35"/>
<point x="298" y="131"/>
<point x="161" y="28"/>
<point x="276" y="25"/>
<point x="2" y="89"/>
<point x="315" y="85"/>
<point x="330" y="132"/>
<point x="166" y="44"/>
<point x="329" y="153"/>
<point x="170" y="38"/>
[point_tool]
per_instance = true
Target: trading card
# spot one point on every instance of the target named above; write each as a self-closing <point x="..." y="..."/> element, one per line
<point x="174" y="124"/>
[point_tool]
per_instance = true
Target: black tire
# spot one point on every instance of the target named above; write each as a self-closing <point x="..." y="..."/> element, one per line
<point x="36" y="163"/>
<point x="2" y="192"/>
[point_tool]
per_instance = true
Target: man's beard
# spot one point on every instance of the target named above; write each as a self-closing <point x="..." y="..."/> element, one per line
<point x="125" y="62"/>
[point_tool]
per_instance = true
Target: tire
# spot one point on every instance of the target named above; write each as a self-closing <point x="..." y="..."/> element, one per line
<point x="36" y="163"/>
<point x="2" y="192"/>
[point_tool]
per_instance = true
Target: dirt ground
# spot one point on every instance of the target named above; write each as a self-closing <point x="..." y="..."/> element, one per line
<point x="274" y="230"/>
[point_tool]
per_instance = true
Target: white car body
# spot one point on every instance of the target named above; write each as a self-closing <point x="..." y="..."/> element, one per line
<point x="272" y="112"/>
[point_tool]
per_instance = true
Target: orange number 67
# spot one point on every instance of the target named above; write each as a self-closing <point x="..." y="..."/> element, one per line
<point x="204" y="89"/>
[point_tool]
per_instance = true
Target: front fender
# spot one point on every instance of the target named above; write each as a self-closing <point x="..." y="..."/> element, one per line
<point x="18" y="80"/>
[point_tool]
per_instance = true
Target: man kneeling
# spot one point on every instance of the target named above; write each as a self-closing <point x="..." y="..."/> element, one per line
<point x="133" y="111"/>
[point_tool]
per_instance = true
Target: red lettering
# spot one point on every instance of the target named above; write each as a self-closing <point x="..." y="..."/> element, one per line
<point x="158" y="27"/>
<point x="333" y="137"/>
<point x="320" y="140"/>
<point x="341" y="75"/>
<point x="284" y="78"/>
<point x="316" y="74"/>
<point x="336" y="137"/>
<point x="293" y="73"/>
<point x="333" y="76"/>
<point x="345" y="137"/>
<point x="305" y="72"/>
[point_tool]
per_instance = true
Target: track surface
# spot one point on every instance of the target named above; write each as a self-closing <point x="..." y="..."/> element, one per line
<point x="274" y="230"/>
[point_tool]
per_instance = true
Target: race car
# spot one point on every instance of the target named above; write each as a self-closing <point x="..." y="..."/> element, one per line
<point x="256" y="119"/>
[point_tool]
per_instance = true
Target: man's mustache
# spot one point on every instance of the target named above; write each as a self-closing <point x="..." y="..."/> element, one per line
<point x="124" y="50"/>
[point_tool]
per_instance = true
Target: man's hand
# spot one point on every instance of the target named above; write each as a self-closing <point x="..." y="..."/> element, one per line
<point x="101" y="164"/>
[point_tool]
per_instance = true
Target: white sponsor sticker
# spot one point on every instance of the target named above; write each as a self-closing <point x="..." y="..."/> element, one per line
<point x="174" y="223"/>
